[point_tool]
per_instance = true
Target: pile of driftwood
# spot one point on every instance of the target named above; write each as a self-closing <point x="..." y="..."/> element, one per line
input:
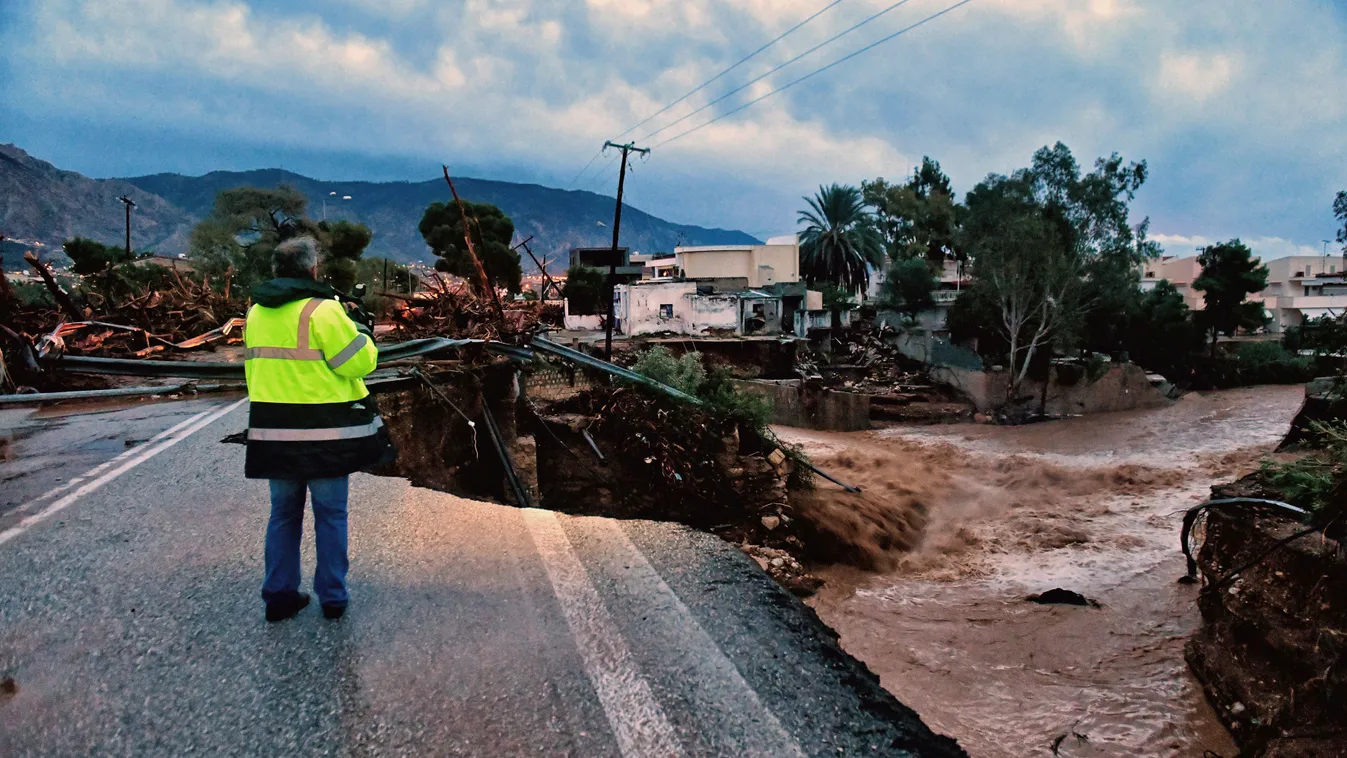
<point x="450" y="308"/>
<point x="121" y="318"/>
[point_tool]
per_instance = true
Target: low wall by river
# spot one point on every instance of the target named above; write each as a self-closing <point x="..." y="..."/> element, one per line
<point x="1123" y="387"/>
<point x="795" y="403"/>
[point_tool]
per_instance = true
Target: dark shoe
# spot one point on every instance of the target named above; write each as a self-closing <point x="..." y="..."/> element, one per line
<point x="280" y="610"/>
<point x="333" y="612"/>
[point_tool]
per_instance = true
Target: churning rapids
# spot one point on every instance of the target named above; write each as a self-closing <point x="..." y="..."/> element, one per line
<point x="1089" y="504"/>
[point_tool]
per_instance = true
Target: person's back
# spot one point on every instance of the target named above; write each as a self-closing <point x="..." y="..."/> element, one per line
<point x="310" y="424"/>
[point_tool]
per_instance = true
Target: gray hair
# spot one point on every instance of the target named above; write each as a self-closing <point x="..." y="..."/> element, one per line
<point x="295" y="258"/>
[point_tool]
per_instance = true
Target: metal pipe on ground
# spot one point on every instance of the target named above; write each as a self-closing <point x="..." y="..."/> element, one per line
<point x="52" y="397"/>
<point x="82" y="364"/>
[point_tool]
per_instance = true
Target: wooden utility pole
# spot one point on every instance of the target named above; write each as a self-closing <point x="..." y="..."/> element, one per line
<point x="542" y="267"/>
<point x="129" y="203"/>
<point x="626" y="149"/>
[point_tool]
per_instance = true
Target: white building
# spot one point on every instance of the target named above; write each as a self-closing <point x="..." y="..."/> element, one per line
<point x="683" y="307"/>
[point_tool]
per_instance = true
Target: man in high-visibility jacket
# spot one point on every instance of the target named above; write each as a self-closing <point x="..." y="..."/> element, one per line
<point x="311" y="423"/>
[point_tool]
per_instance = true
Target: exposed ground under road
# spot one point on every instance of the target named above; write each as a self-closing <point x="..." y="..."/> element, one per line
<point x="131" y="623"/>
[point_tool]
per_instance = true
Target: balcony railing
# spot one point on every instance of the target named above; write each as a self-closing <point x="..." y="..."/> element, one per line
<point x="945" y="297"/>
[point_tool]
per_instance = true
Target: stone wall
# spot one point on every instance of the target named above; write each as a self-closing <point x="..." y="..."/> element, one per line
<point x="797" y="404"/>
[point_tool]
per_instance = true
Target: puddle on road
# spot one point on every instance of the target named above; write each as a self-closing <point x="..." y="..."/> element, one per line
<point x="1091" y="505"/>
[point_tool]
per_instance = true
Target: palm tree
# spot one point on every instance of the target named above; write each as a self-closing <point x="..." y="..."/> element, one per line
<point x="839" y="242"/>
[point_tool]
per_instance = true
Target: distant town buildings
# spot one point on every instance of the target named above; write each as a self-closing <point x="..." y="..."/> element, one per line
<point x="713" y="289"/>
<point x="1299" y="287"/>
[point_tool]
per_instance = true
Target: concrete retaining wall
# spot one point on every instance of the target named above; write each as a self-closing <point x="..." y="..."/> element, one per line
<point x="799" y="405"/>
<point x="1121" y="388"/>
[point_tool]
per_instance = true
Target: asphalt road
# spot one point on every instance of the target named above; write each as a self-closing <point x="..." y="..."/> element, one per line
<point x="131" y="624"/>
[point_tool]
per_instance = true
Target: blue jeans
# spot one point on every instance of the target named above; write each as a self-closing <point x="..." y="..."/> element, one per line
<point x="287" y="527"/>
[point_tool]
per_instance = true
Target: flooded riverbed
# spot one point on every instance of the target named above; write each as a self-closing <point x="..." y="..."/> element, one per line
<point x="1091" y="505"/>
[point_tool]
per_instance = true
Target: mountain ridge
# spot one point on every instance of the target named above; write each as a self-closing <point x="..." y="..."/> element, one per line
<point x="42" y="202"/>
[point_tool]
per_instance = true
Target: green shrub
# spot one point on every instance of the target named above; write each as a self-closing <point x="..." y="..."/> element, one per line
<point x="1316" y="481"/>
<point x="32" y="295"/>
<point x="1255" y="363"/>
<point x="685" y="374"/>
<point x="725" y="399"/>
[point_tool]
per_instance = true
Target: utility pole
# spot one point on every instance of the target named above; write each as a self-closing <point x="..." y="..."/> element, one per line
<point x="542" y="267"/>
<point x="626" y="149"/>
<point x="129" y="205"/>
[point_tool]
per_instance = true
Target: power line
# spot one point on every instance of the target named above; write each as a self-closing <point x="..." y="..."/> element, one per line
<point x="594" y="182"/>
<point x="815" y="72"/>
<point x="751" y="82"/>
<point x="698" y="88"/>
<point x="739" y="63"/>
<point x="586" y="168"/>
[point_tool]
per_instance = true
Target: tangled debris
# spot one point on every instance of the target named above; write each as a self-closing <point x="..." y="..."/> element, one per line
<point x="452" y="309"/>
<point x="122" y="317"/>
<point x="622" y="452"/>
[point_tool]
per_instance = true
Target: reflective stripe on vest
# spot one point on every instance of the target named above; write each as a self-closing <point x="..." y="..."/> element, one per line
<point x="301" y="351"/>
<point x="316" y="435"/>
<point x="347" y="353"/>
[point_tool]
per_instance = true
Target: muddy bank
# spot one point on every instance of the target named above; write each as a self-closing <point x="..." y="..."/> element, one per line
<point x="1271" y="648"/>
<point x="995" y="514"/>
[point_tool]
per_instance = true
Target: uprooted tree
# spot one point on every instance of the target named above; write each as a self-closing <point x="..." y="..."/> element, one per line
<point x="442" y="228"/>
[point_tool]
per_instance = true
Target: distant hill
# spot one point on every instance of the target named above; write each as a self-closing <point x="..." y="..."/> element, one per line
<point x="558" y="220"/>
<point x="41" y="202"/>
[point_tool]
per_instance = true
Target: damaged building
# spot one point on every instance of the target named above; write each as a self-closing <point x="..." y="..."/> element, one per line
<point x="718" y="289"/>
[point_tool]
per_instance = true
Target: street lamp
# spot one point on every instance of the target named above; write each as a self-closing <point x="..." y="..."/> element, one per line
<point x="129" y="203"/>
<point x="332" y="195"/>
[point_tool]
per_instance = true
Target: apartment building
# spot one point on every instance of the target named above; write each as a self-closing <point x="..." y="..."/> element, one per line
<point x="1299" y="287"/>
<point x="1302" y="288"/>
<point x="1180" y="272"/>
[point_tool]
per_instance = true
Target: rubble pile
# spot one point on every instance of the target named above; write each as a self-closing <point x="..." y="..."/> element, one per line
<point x="451" y="309"/>
<point x="900" y="387"/>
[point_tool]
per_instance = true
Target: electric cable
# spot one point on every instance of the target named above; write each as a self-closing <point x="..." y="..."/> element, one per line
<point x="814" y="73"/>
<point x="755" y="80"/>
<point x="739" y="63"/>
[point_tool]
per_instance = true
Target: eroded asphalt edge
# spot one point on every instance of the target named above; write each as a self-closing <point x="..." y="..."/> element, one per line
<point x="666" y="587"/>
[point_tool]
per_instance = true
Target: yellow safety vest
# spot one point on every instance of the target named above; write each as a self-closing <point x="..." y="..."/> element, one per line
<point x="310" y="416"/>
<point x="306" y="351"/>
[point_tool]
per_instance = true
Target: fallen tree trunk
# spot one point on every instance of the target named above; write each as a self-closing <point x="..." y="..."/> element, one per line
<point x="57" y="291"/>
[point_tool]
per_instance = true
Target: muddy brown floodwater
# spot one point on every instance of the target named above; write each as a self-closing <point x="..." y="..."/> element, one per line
<point x="1091" y="505"/>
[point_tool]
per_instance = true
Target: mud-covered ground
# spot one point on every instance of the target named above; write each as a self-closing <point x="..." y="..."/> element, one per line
<point x="960" y="523"/>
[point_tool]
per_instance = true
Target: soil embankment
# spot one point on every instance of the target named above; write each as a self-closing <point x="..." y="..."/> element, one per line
<point x="960" y="524"/>
<point x="1271" y="648"/>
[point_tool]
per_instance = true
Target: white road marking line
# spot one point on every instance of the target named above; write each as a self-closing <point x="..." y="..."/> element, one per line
<point x="722" y="695"/>
<point x="144" y="453"/>
<point x="100" y="468"/>
<point x="636" y="717"/>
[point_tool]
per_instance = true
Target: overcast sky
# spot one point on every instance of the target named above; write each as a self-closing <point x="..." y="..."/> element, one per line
<point x="1238" y="106"/>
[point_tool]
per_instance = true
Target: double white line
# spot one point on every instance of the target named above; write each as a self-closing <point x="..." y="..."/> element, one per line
<point x="99" y="475"/>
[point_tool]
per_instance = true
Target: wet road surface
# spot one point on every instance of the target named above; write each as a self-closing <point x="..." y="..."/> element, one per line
<point x="131" y="624"/>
